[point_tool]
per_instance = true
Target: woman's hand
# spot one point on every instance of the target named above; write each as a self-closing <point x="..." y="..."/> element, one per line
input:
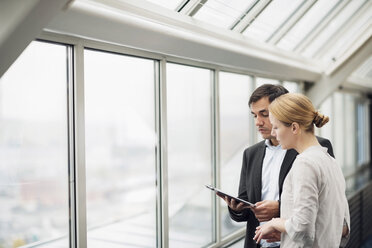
<point x="273" y="237"/>
<point x="270" y="231"/>
<point x="264" y="232"/>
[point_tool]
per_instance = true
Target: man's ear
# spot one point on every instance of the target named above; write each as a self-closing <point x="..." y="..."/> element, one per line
<point x="295" y="127"/>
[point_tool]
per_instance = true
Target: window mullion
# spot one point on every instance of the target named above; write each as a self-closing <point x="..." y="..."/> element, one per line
<point x="77" y="114"/>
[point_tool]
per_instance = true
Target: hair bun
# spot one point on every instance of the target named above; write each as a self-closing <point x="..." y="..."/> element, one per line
<point x="320" y="119"/>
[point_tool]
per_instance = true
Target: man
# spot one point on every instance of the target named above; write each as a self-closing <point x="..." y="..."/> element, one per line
<point x="265" y="166"/>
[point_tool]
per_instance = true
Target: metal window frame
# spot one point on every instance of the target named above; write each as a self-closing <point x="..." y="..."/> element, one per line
<point x="216" y="160"/>
<point x="73" y="232"/>
<point x="162" y="216"/>
<point x="77" y="128"/>
<point x="339" y="32"/>
<point x="250" y="15"/>
<point x="135" y="25"/>
<point x="78" y="115"/>
<point x="290" y="22"/>
<point x="191" y="7"/>
<point x="76" y="136"/>
<point x="322" y="24"/>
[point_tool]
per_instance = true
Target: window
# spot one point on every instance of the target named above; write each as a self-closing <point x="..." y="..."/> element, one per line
<point x="348" y="130"/>
<point x="349" y="143"/>
<point x="34" y="148"/>
<point x="349" y="36"/>
<point x="223" y="13"/>
<point x="339" y="137"/>
<point x="189" y="155"/>
<point x="363" y="141"/>
<point x="235" y="136"/>
<point x="261" y="81"/>
<point x="272" y="17"/>
<point x="326" y="131"/>
<point x="307" y="23"/>
<point x="120" y="150"/>
<point x="292" y="87"/>
<point x="169" y="4"/>
<point x="340" y="20"/>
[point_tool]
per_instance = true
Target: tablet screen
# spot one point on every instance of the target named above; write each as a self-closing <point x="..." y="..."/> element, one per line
<point x="230" y="196"/>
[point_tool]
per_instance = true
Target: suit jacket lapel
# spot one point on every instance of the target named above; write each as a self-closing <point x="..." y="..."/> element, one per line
<point x="258" y="161"/>
<point x="289" y="157"/>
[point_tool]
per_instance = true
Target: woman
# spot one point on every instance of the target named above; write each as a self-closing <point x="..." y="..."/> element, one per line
<point x="314" y="210"/>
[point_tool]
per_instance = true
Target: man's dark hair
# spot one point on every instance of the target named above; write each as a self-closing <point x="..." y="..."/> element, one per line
<point x="271" y="91"/>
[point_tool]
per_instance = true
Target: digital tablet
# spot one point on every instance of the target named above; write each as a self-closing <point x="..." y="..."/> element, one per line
<point x="233" y="197"/>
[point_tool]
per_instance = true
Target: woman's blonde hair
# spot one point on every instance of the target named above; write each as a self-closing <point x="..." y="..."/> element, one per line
<point x="294" y="107"/>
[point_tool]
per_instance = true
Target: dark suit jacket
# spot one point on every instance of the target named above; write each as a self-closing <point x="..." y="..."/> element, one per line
<point x="250" y="183"/>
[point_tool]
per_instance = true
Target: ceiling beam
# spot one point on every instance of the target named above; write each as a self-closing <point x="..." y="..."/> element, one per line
<point x="363" y="84"/>
<point x="144" y="26"/>
<point x="21" y="22"/>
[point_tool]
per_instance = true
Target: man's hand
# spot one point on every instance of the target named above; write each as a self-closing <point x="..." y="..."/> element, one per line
<point x="233" y="204"/>
<point x="345" y="231"/>
<point x="266" y="210"/>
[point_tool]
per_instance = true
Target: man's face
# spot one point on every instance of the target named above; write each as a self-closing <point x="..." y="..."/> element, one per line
<point x="260" y="111"/>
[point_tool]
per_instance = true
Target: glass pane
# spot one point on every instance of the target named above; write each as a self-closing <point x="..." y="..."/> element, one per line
<point x="367" y="132"/>
<point x="348" y="37"/>
<point x="223" y="13"/>
<point x="169" y="4"/>
<point x="260" y="81"/>
<point x="364" y="70"/>
<point x="189" y="155"/>
<point x="350" y="132"/>
<point x="338" y="22"/>
<point x="120" y="150"/>
<point x="292" y="87"/>
<point x="339" y="129"/>
<point x="344" y="136"/>
<point x="361" y="133"/>
<point x="34" y="150"/>
<point x="307" y="23"/>
<point x="235" y="127"/>
<point x="272" y="17"/>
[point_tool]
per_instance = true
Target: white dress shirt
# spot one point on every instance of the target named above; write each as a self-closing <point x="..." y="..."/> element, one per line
<point x="274" y="156"/>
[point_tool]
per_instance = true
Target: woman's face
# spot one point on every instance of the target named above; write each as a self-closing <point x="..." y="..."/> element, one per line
<point x="282" y="133"/>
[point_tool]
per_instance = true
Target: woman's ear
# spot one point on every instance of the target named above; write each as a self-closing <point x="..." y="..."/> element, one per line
<point x="295" y="127"/>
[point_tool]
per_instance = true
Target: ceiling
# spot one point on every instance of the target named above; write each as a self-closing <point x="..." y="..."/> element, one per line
<point x="323" y="30"/>
<point x="322" y="41"/>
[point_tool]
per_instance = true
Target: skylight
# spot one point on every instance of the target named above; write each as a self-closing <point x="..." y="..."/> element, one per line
<point x="169" y="4"/>
<point x="223" y="13"/>
<point x="272" y="17"/>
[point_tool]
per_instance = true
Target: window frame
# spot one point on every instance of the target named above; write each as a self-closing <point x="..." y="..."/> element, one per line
<point x="76" y="118"/>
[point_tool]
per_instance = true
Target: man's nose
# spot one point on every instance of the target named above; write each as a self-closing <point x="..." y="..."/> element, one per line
<point x="259" y="121"/>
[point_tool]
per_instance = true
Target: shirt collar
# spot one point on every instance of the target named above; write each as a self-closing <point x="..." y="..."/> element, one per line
<point x="270" y="146"/>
